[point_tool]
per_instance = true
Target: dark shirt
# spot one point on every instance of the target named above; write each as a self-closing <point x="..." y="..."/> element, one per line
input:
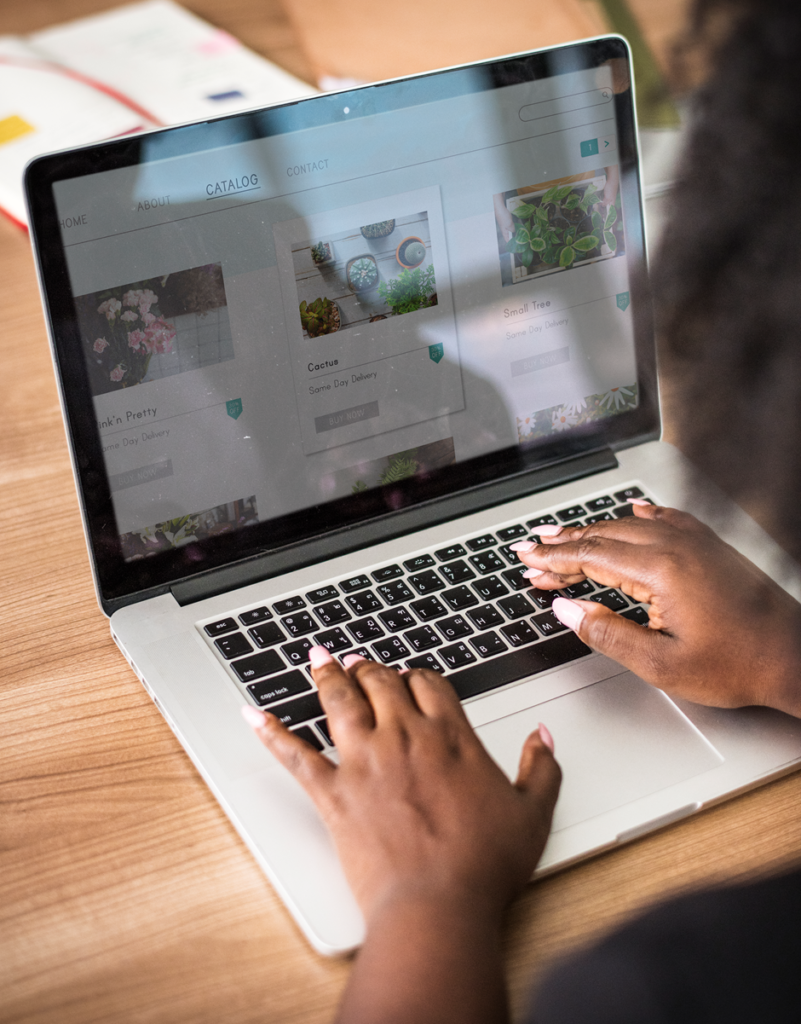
<point x="727" y="956"/>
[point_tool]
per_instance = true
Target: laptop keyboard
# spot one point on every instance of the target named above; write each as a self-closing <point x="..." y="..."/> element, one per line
<point x="464" y="610"/>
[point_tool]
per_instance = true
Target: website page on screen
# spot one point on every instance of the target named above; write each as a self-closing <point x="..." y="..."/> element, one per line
<point x="277" y="323"/>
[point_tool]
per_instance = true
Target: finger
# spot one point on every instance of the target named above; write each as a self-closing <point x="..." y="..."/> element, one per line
<point x="386" y="690"/>
<point x="434" y="695"/>
<point x="310" y="768"/>
<point x="539" y="776"/>
<point x="643" y="650"/>
<point x="349" y="712"/>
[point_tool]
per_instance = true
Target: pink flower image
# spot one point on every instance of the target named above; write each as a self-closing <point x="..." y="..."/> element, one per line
<point x="131" y="297"/>
<point x="110" y="308"/>
<point x="160" y="336"/>
<point x="148" y="318"/>
<point x="117" y="373"/>
<point x="100" y="345"/>
<point x="137" y="339"/>
<point x="129" y="315"/>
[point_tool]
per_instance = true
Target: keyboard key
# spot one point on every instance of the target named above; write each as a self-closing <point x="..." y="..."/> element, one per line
<point x="220" y="627"/>
<point x="427" y="608"/>
<point x="459" y="597"/>
<point x="485" y="616"/>
<point x="365" y="629"/>
<point x="390" y="649"/>
<point x="333" y="640"/>
<point x="510" y="556"/>
<point x="297" y="652"/>
<point x="490" y="587"/>
<point x="258" y="665"/>
<point x="623" y="511"/>
<point x="424" y="661"/>
<point x="416" y="564"/>
<point x="637" y="614"/>
<point x="291" y="604"/>
<point x="364" y="602"/>
<point x="612" y="599"/>
<point x="518" y="634"/>
<point x="579" y="589"/>
<point x="388" y="572"/>
<point x="511" y="532"/>
<point x="603" y="517"/>
<point x="454" y="628"/>
<point x="354" y="583"/>
<point x="596" y="504"/>
<point x="426" y="582"/>
<point x="322" y="725"/>
<point x="630" y="492"/>
<point x="422" y="638"/>
<point x="548" y="520"/>
<point x="331" y="613"/>
<point x="233" y="646"/>
<point x="515" y="578"/>
<point x="488" y="644"/>
<point x="515" y="607"/>
<point x="486" y="562"/>
<point x="308" y="734"/>
<point x="573" y="512"/>
<point x="254" y="615"/>
<point x="394" y="593"/>
<point x="449" y="553"/>
<point x="514" y="665"/>
<point x="397" y="619"/>
<point x="486" y="540"/>
<point x="297" y="625"/>
<point x="548" y="624"/>
<point x="543" y="598"/>
<point x="279" y="687"/>
<point x="456" y="656"/>
<point x="457" y="572"/>
<point x="268" y="634"/>
<point x="322" y="594"/>
<point x="293" y="712"/>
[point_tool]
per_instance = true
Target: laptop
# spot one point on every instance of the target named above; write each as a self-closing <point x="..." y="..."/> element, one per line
<point x="321" y="364"/>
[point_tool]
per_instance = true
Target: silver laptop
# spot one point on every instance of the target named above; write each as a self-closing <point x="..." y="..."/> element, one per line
<point x="321" y="365"/>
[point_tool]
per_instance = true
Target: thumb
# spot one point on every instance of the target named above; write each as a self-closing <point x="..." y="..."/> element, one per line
<point x="539" y="776"/>
<point x="633" y="645"/>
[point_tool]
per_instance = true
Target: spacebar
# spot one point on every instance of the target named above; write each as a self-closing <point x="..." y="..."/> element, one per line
<point x="489" y="675"/>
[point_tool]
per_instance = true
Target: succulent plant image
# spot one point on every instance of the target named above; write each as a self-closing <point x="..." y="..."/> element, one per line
<point x="319" y="317"/>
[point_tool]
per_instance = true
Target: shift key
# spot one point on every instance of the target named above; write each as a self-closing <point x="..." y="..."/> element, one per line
<point x="293" y="712"/>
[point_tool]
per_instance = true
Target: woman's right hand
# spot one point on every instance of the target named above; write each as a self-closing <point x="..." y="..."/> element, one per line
<point x="721" y="632"/>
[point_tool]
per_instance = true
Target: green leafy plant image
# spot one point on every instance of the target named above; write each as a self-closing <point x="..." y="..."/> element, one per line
<point x="609" y="223"/>
<point x="410" y="290"/>
<point x="319" y="317"/>
<point x="358" y="487"/>
<point x="558" y="230"/>
<point x="362" y="273"/>
<point x="402" y="466"/>
<point x="380" y="229"/>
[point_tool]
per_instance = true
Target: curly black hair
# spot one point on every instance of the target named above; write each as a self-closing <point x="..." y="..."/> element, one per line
<point x="727" y="279"/>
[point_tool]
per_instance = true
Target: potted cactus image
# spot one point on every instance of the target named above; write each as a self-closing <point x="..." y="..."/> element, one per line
<point x="321" y="253"/>
<point x="380" y="229"/>
<point x="320" y="317"/>
<point x="411" y="252"/>
<point x="362" y="272"/>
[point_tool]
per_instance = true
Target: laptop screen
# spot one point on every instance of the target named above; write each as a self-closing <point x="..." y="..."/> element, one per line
<point x="297" y="319"/>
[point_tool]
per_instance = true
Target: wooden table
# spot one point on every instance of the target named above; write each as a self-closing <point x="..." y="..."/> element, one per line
<point x="125" y="895"/>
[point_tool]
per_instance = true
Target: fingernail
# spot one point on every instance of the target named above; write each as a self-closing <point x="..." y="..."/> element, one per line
<point x="545" y="736"/>
<point x="352" y="659"/>
<point x="637" y="501"/>
<point x="253" y="716"/>
<point x="571" y="613"/>
<point x="523" y="545"/>
<point x="319" y="656"/>
<point x="549" y="530"/>
<point x="532" y="574"/>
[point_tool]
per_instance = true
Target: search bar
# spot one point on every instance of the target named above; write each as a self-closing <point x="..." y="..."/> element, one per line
<point x="564" y="104"/>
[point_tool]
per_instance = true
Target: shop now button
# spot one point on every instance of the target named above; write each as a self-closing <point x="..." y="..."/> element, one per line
<point x="346" y="417"/>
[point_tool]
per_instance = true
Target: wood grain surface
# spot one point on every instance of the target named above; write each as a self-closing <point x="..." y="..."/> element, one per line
<point x="125" y="895"/>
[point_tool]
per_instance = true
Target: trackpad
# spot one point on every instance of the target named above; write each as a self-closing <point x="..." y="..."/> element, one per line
<point x="616" y="741"/>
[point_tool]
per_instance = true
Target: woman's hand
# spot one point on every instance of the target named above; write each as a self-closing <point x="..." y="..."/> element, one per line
<point x="434" y="839"/>
<point x="721" y="632"/>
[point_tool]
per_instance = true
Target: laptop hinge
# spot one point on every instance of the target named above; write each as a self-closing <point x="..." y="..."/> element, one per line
<point x="396" y="524"/>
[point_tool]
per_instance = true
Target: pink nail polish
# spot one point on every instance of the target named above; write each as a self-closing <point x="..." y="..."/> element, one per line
<point x="637" y="501"/>
<point x="352" y="659"/>
<point x="549" y="530"/>
<point x="571" y="613"/>
<point x="523" y="545"/>
<point x="545" y="736"/>
<point x="319" y="656"/>
<point x="253" y="716"/>
<point x="532" y="574"/>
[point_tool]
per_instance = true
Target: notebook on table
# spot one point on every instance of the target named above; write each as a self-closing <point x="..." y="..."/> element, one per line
<point x="321" y="365"/>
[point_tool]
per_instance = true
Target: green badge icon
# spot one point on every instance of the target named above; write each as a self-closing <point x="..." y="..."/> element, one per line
<point x="234" y="408"/>
<point x="623" y="300"/>
<point x="436" y="352"/>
